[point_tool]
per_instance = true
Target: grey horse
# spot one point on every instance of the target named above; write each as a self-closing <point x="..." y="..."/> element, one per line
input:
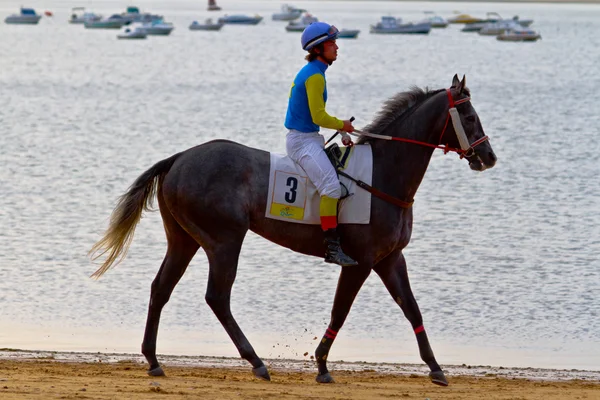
<point x="190" y="187"/>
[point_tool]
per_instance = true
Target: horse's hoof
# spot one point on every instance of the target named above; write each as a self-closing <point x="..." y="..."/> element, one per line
<point x="158" y="371"/>
<point x="325" y="378"/>
<point x="262" y="373"/>
<point x="438" y="378"/>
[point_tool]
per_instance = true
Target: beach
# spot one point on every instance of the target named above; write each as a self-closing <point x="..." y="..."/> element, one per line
<point x="48" y="375"/>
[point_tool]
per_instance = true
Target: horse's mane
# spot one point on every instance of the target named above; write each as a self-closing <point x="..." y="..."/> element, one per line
<point x="395" y="107"/>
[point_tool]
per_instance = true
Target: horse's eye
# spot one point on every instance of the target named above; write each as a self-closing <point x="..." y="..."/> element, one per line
<point x="471" y="118"/>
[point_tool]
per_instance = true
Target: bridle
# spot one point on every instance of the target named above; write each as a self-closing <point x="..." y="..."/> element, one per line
<point x="466" y="149"/>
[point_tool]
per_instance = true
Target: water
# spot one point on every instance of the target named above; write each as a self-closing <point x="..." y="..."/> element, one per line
<point x="504" y="264"/>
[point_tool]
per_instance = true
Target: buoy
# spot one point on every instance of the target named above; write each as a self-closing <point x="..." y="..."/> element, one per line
<point x="48" y="13"/>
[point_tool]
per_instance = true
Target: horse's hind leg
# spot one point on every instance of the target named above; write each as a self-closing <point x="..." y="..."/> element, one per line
<point x="223" y="258"/>
<point x="350" y="282"/>
<point x="181" y="248"/>
<point x="393" y="273"/>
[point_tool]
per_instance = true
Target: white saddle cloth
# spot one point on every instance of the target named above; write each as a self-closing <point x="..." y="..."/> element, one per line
<point x="293" y="198"/>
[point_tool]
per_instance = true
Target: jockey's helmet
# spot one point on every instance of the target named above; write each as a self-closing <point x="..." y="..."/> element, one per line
<point x="317" y="33"/>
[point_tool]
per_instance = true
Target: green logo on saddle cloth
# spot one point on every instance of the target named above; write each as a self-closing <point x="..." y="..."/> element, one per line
<point x="289" y="195"/>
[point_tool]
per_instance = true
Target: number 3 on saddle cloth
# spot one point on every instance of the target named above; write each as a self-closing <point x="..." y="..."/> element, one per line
<point x="293" y="198"/>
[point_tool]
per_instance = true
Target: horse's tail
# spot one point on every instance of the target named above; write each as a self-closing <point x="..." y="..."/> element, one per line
<point x="127" y="214"/>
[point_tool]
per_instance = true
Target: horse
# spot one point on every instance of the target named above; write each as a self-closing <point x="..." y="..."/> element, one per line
<point x="190" y="187"/>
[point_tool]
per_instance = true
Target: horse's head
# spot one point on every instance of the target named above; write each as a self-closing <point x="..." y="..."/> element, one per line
<point x="465" y="132"/>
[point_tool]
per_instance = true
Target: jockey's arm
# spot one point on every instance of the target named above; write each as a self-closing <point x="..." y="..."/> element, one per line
<point x="315" y="86"/>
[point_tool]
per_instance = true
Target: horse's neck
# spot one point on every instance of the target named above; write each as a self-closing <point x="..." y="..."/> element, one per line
<point x="402" y="164"/>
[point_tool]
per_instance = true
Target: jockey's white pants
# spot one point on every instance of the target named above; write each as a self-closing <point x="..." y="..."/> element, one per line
<point x="307" y="149"/>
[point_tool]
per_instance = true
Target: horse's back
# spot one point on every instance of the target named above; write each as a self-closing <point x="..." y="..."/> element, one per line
<point x="217" y="177"/>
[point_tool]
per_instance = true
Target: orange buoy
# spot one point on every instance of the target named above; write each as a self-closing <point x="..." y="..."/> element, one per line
<point x="48" y="13"/>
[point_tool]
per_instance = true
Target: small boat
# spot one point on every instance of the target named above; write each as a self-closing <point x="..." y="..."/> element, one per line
<point x="115" y="21"/>
<point x="519" y="34"/>
<point x="494" y="17"/>
<point x="463" y="19"/>
<point x="435" y="20"/>
<point x="348" y="33"/>
<point x="79" y="15"/>
<point x="496" y="28"/>
<point x="133" y="14"/>
<point x="27" y="16"/>
<point x="392" y="25"/>
<point x="158" y="27"/>
<point x="240" y="19"/>
<point x="212" y="6"/>
<point x="288" y="13"/>
<point x="132" y="32"/>
<point x="299" y="26"/>
<point x="208" y="25"/>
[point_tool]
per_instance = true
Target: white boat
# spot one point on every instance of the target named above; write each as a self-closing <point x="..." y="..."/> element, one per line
<point x="208" y="25"/>
<point x="299" y="26"/>
<point x="288" y="13"/>
<point x="158" y="27"/>
<point x="240" y="19"/>
<point x="115" y="21"/>
<point x="519" y="34"/>
<point x="133" y="14"/>
<point x="27" y="16"/>
<point x="132" y="32"/>
<point x="348" y="33"/>
<point x="496" y="28"/>
<point x="79" y="15"/>
<point x="435" y="20"/>
<point x="392" y="25"/>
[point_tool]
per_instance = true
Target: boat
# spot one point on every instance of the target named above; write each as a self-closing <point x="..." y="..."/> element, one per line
<point x="208" y="25"/>
<point x="463" y="19"/>
<point x="392" y="25"/>
<point x="435" y="20"/>
<point x="494" y="17"/>
<point x="212" y="6"/>
<point x="348" y="33"/>
<point x="133" y="14"/>
<point x="27" y="16"/>
<point x="496" y="28"/>
<point x="79" y="15"/>
<point x="288" y="13"/>
<point x="299" y="26"/>
<point x="133" y="32"/>
<point x="240" y="19"/>
<point x="519" y="34"/>
<point x="115" y="21"/>
<point x="158" y="27"/>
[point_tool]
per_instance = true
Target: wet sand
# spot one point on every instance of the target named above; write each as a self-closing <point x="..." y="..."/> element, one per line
<point x="48" y="375"/>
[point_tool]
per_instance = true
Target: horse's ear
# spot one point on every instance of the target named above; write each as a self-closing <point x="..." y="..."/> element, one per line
<point x="463" y="83"/>
<point x="455" y="81"/>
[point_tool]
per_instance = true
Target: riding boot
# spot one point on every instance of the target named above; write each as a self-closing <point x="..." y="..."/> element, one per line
<point x="334" y="253"/>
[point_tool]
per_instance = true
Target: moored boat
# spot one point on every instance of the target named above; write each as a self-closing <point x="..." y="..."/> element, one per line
<point x="208" y="25"/>
<point x="158" y="27"/>
<point x="288" y="13"/>
<point x="240" y="19"/>
<point x="348" y="33"/>
<point x="132" y="32"/>
<point x="115" y="21"/>
<point x="27" y="16"/>
<point x="79" y="15"/>
<point x="463" y="19"/>
<point x="392" y="25"/>
<point x="299" y="26"/>
<point x="519" y="34"/>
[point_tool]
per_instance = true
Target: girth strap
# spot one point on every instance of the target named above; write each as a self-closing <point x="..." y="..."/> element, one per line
<point x="378" y="193"/>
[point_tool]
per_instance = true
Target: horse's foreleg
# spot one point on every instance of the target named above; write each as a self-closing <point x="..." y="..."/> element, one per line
<point x="350" y="282"/>
<point x="223" y="267"/>
<point x="180" y="252"/>
<point x="393" y="273"/>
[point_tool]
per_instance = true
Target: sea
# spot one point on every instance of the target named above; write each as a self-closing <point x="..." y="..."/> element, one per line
<point x="503" y="263"/>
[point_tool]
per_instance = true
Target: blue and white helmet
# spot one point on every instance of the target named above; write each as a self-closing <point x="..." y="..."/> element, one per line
<point x="317" y="33"/>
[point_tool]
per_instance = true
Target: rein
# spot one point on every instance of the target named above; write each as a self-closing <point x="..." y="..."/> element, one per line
<point x="466" y="149"/>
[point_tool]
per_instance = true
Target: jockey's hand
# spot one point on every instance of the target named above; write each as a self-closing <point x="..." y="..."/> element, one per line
<point x="347" y="140"/>
<point x="347" y="126"/>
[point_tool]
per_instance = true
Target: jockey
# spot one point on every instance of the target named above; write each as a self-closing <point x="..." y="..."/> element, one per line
<point x="305" y="115"/>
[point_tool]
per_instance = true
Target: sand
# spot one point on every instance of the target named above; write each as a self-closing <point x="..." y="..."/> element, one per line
<point x="38" y="375"/>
